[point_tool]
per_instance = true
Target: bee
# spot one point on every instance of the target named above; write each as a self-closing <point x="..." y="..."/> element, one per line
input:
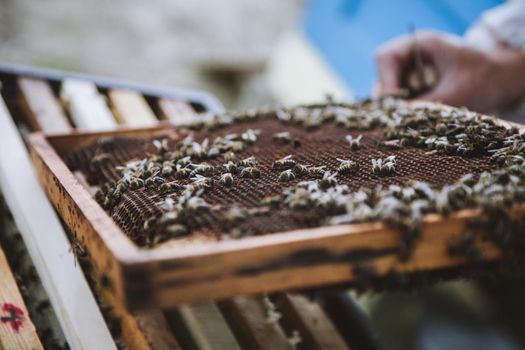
<point x="161" y="145"/>
<point x="229" y="156"/>
<point x="231" y="167"/>
<point x="197" y="203"/>
<point x="152" y="170"/>
<point x="154" y="180"/>
<point x="355" y="143"/>
<point x="384" y="167"/>
<point x="248" y="162"/>
<point x="237" y="146"/>
<point x="234" y="216"/>
<point x="227" y="179"/>
<point x="392" y="144"/>
<point x="284" y="163"/>
<point x="286" y="175"/>
<point x="271" y="201"/>
<point x="232" y="137"/>
<point x="300" y="169"/>
<point x="120" y="188"/>
<point x="167" y="168"/>
<point x="283" y="116"/>
<point x="136" y="183"/>
<point x="282" y="137"/>
<point x="201" y="182"/>
<point x="176" y="230"/>
<point x="347" y="166"/>
<point x="213" y="152"/>
<point x="182" y="172"/>
<point x="328" y="180"/>
<point x="251" y="172"/>
<point x="98" y="159"/>
<point x="204" y="169"/>
<point x="169" y="187"/>
<point x="317" y="171"/>
<point x="185" y="161"/>
<point x="250" y="135"/>
<point x="150" y="223"/>
<point x="77" y="249"/>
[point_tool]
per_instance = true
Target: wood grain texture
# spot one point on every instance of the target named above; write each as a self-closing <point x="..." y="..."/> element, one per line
<point x="42" y="108"/>
<point x="23" y="335"/>
<point x="87" y="107"/>
<point x="177" y="112"/>
<point x="130" y="108"/>
<point x="64" y="282"/>
<point x="314" y="326"/>
<point x="248" y="319"/>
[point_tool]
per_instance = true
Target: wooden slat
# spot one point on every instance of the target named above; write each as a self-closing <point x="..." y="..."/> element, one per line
<point x="316" y="329"/>
<point x="43" y="109"/>
<point x="87" y="107"/>
<point x="64" y="282"/>
<point x="177" y="112"/>
<point x="16" y="329"/>
<point x="202" y="327"/>
<point x="131" y="108"/>
<point x="248" y="318"/>
<point x="204" y="323"/>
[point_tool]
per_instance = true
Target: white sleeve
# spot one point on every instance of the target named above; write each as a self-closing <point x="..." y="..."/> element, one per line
<point x="502" y="25"/>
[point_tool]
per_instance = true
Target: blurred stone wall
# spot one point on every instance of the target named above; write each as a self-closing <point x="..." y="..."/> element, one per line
<point x="208" y="44"/>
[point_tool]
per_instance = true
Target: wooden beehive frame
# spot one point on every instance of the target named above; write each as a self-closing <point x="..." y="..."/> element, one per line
<point x="170" y="276"/>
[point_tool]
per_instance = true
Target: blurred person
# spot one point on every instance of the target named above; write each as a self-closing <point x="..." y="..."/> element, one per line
<point x="483" y="71"/>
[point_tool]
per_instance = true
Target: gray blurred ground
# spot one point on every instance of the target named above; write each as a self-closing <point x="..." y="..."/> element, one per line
<point x="219" y="46"/>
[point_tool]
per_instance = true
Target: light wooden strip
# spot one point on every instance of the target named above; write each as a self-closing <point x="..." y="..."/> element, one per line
<point x="248" y="318"/>
<point x="314" y="326"/>
<point x="63" y="280"/>
<point x="131" y="108"/>
<point x="206" y="327"/>
<point x="87" y="108"/>
<point x="16" y="329"/>
<point x="177" y="112"/>
<point x="205" y="323"/>
<point x="43" y="109"/>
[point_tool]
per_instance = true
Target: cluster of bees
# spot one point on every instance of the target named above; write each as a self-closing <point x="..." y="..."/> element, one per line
<point x="438" y="129"/>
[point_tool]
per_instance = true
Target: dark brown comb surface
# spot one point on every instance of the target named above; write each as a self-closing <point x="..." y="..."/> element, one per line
<point x="318" y="147"/>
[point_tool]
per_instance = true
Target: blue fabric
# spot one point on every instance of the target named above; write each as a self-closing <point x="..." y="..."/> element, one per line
<point x="347" y="32"/>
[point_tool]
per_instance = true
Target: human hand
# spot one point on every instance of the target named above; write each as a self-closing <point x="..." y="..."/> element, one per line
<point x="465" y="76"/>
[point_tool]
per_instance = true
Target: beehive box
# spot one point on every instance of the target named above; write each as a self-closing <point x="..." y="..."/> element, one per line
<point x="284" y="248"/>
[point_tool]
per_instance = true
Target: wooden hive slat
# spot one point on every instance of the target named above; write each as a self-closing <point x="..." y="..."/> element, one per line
<point x="79" y="314"/>
<point x="316" y="330"/>
<point x="177" y="112"/>
<point x="42" y="108"/>
<point x="14" y="336"/>
<point x="87" y="106"/>
<point x="130" y="108"/>
<point x="248" y="318"/>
